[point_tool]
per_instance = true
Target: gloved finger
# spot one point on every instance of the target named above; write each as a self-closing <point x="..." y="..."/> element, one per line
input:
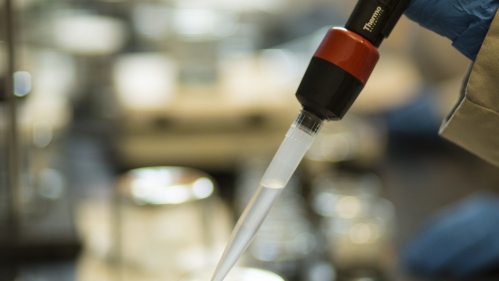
<point x="484" y="255"/>
<point x="441" y="16"/>
<point x="464" y="22"/>
<point x="451" y="232"/>
<point x="470" y="208"/>
<point x="431" y="253"/>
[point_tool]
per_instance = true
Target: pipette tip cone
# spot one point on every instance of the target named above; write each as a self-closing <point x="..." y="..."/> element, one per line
<point x="295" y="144"/>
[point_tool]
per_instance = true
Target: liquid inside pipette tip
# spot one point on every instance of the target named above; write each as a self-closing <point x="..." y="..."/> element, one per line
<point x="283" y="165"/>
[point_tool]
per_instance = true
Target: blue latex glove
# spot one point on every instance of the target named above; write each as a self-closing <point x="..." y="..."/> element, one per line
<point x="464" y="22"/>
<point x="461" y="241"/>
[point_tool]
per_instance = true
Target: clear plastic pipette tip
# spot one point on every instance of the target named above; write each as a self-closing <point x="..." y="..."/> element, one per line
<point x="298" y="139"/>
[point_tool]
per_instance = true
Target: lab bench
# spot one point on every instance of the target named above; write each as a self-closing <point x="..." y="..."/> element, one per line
<point x="410" y="177"/>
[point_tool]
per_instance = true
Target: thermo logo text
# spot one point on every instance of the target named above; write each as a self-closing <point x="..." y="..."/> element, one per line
<point x="374" y="19"/>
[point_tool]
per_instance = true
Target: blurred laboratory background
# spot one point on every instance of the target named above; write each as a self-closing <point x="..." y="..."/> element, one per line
<point x="138" y="130"/>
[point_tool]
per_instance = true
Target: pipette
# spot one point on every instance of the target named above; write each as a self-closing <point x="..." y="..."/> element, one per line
<point x="295" y="144"/>
<point x="334" y="78"/>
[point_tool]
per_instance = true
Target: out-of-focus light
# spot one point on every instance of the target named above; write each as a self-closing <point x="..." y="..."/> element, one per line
<point x="22" y="83"/>
<point x="325" y="204"/>
<point x="170" y="194"/>
<point x="168" y="186"/>
<point x="202" y="188"/>
<point x="305" y="243"/>
<point x="271" y="6"/>
<point x="338" y="147"/>
<point x="89" y="34"/>
<point x="55" y="73"/>
<point x="322" y="271"/>
<point x="279" y="66"/>
<point x="157" y="193"/>
<point x="201" y="24"/>
<point x="152" y="20"/>
<point x="194" y="21"/>
<point x="348" y="207"/>
<point x="257" y="274"/>
<point x="144" y="81"/>
<point x="340" y="226"/>
<point x="265" y="251"/>
<point x="42" y="133"/>
<point x="53" y="82"/>
<point x="363" y="233"/>
<point x="334" y="147"/>
<point x="237" y="274"/>
<point x="51" y="184"/>
<point x="360" y="233"/>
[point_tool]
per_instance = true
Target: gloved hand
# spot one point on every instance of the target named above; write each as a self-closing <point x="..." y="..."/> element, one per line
<point x="461" y="241"/>
<point x="464" y="22"/>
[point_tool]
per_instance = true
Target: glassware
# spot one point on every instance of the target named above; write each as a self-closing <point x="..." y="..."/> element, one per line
<point x="167" y="223"/>
<point x="236" y="274"/>
<point x="197" y="33"/>
<point x="356" y="222"/>
<point x="285" y="238"/>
